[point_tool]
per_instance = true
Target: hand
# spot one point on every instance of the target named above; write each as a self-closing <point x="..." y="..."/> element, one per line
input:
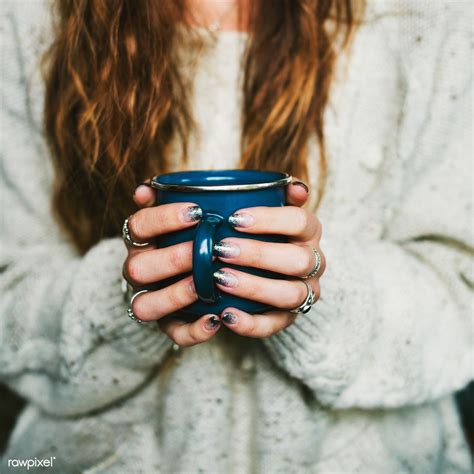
<point x="187" y="334"/>
<point x="145" y="265"/>
<point x="295" y="259"/>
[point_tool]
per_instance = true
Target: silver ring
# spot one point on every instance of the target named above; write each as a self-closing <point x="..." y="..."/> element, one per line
<point x="130" y="313"/>
<point x="307" y="304"/>
<point x="128" y="238"/>
<point x="317" y="264"/>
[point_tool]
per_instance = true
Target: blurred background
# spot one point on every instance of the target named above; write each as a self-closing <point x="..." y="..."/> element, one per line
<point x="11" y="406"/>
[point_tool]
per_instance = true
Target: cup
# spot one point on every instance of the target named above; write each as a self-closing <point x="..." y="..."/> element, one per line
<point x="219" y="194"/>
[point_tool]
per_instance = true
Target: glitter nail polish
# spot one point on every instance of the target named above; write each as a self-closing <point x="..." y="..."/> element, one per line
<point x="229" y="318"/>
<point x="226" y="249"/>
<point x="192" y="214"/>
<point x="241" y="220"/>
<point x="212" y="322"/>
<point x="225" y="278"/>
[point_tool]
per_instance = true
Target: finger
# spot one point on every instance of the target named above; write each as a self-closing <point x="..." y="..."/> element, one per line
<point x="150" y="222"/>
<point x="142" y="268"/>
<point x="283" y="294"/>
<point x="288" y="259"/>
<point x="154" y="305"/>
<point x="297" y="193"/>
<point x="188" y="334"/>
<point x="288" y="220"/>
<point x="144" y="195"/>
<point x="256" y="325"/>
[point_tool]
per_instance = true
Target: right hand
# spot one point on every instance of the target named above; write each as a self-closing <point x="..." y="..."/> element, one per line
<point x="146" y="265"/>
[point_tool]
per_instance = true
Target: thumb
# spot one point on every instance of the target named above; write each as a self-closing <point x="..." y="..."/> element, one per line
<point x="297" y="193"/>
<point x="144" y="195"/>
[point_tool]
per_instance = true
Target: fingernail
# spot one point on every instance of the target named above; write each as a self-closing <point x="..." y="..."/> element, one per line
<point x="145" y="183"/>
<point x="212" y="323"/>
<point x="225" y="278"/>
<point x="241" y="220"/>
<point x="142" y="186"/>
<point x="229" y="318"/>
<point x="300" y="183"/>
<point x="192" y="287"/>
<point x="226" y="249"/>
<point x="192" y="214"/>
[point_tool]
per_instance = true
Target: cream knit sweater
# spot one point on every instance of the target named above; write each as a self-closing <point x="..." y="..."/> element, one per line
<point x="363" y="383"/>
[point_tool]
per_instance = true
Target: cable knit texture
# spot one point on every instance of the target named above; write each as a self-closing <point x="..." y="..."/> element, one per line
<point x="364" y="382"/>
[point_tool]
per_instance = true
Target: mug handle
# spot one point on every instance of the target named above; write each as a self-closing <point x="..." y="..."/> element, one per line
<point x="203" y="246"/>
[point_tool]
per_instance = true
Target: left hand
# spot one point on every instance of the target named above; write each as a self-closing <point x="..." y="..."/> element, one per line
<point x="295" y="259"/>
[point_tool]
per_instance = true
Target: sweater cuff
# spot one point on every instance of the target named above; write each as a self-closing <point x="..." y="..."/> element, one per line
<point x="324" y="347"/>
<point x="96" y="314"/>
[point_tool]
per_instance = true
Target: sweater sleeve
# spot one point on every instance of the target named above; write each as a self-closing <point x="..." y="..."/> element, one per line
<point x="394" y="325"/>
<point x="66" y="343"/>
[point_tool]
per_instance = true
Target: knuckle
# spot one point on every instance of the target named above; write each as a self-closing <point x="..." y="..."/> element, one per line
<point x="177" y="337"/>
<point x="174" y="299"/>
<point x="320" y="227"/>
<point x="175" y="257"/>
<point x="256" y="331"/>
<point x="164" y="326"/>
<point x="290" y="319"/>
<point x="178" y="296"/>
<point x="264" y="332"/>
<point x="174" y="335"/>
<point x="162" y="215"/>
<point x="301" y="217"/>
<point x="256" y="254"/>
<point x="169" y="328"/>
<point x="249" y="328"/>
<point x="310" y="261"/>
<point x="173" y="338"/>
<point x="323" y="264"/>
<point x="140" y="307"/>
<point x="297" y="295"/>
<point x="317" y="291"/>
<point x="178" y="256"/>
<point x="133" y="270"/>
<point x="134" y="224"/>
<point x="194" y="337"/>
<point x="253" y="291"/>
<point x="304" y="263"/>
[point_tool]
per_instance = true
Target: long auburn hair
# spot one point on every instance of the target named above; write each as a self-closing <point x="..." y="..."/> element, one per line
<point x="115" y="99"/>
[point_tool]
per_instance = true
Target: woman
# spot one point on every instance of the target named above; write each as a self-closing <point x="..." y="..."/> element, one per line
<point x="364" y="381"/>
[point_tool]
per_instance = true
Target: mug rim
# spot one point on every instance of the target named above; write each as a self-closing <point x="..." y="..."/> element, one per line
<point x="286" y="179"/>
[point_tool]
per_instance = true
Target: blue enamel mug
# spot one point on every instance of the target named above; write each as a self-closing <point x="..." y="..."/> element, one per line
<point x="219" y="194"/>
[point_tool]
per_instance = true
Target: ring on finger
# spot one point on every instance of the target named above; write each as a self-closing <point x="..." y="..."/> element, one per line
<point x="307" y="304"/>
<point x="317" y="264"/>
<point x="130" y="313"/>
<point x="128" y="238"/>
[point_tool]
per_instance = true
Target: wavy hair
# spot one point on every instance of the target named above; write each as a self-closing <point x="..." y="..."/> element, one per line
<point x="115" y="100"/>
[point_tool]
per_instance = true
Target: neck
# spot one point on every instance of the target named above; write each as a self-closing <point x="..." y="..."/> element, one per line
<point x="221" y="15"/>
